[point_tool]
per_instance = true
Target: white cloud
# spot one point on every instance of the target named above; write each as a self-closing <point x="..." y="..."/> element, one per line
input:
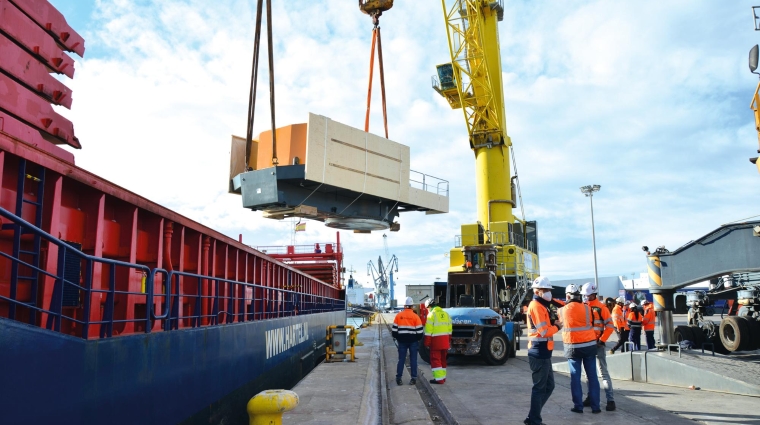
<point x="648" y="99"/>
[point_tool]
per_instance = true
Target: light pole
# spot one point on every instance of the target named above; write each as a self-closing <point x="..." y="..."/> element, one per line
<point x="589" y="192"/>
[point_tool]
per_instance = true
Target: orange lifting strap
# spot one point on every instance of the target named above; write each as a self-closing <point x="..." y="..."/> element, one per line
<point x="376" y="38"/>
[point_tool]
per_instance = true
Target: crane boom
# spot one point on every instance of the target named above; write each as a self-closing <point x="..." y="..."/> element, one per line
<point x="499" y="248"/>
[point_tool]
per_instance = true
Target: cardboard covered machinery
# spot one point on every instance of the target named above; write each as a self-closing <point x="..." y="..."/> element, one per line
<point x="328" y="171"/>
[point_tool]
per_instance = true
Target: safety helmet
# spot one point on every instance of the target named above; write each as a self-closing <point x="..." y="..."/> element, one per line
<point x="589" y="288"/>
<point x="430" y="303"/>
<point x="541" y="282"/>
<point x="645" y="302"/>
<point x="632" y="305"/>
<point x="409" y="301"/>
<point x="572" y="289"/>
<point x="620" y="300"/>
<point x="627" y="302"/>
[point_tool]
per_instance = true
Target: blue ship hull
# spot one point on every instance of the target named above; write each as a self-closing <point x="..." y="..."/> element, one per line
<point x="193" y="376"/>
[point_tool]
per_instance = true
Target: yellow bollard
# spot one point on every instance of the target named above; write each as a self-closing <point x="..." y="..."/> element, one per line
<point x="267" y="407"/>
<point x="355" y="337"/>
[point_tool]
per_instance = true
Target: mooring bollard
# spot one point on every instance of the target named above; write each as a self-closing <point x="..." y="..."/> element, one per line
<point x="267" y="407"/>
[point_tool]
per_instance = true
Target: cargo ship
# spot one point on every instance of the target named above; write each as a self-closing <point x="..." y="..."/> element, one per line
<point x="113" y="308"/>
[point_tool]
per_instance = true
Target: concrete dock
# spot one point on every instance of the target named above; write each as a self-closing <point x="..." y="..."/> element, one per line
<point x="365" y="392"/>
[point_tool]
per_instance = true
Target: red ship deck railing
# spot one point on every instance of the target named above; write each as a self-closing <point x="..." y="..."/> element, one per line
<point x="229" y="302"/>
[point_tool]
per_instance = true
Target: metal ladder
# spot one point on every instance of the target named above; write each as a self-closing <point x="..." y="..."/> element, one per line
<point x="32" y="256"/>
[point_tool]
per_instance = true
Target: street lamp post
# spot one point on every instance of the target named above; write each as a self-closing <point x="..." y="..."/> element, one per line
<point x="589" y="192"/>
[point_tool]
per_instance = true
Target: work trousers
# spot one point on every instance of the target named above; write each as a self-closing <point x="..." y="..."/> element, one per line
<point x="650" y="340"/>
<point x="543" y="385"/>
<point x="576" y="389"/>
<point x="403" y="347"/>
<point x="438" y="364"/>
<point x="635" y="337"/>
<point x="601" y="359"/>
<point x="622" y="338"/>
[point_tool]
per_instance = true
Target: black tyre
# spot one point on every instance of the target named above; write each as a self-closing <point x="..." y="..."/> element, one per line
<point x="734" y="333"/>
<point x="683" y="333"/>
<point x="424" y="352"/>
<point x="718" y="345"/>
<point x="699" y="336"/>
<point x="496" y="348"/>
<point x="754" y="333"/>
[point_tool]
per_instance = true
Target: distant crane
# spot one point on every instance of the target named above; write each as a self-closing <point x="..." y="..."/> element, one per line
<point x="382" y="275"/>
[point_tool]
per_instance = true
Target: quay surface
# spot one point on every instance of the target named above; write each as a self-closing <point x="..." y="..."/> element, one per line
<point x="365" y="392"/>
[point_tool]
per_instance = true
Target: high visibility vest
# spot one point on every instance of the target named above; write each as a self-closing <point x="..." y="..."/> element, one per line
<point x="650" y="319"/>
<point x="438" y="329"/>
<point x="618" y="319"/>
<point x="577" y="326"/>
<point x="407" y="326"/>
<point x="634" y="319"/>
<point x="602" y="320"/>
<point x="540" y="328"/>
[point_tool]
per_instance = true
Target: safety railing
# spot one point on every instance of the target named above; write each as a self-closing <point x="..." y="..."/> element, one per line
<point x="227" y="301"/>
<point x="428" y="183"/>
<point x="315" y="248"/>
<point x="496" y="238"/>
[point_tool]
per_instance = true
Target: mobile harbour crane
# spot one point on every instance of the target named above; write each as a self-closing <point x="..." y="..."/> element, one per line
<point x="495" y="259"/>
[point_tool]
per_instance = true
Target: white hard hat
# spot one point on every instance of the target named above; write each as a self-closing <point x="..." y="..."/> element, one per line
<point x="572" y="289"/>
<point x="632" y="305"/>
<point x="645" y="302"/>
<point x="409" y="301"/>
<point x="541" y="282"/>
<point x="627" y="302"/>
<point x="620" y="300"/>
<point x="588" y="288"/>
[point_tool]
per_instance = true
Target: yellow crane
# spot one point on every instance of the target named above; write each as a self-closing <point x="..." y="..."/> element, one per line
<point x="496" y="258"/>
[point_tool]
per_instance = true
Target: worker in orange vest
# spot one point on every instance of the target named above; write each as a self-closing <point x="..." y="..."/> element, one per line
<point x="579" y="340"/>
<point x="621" y="325"/>
<point x="407" y="331"/>
<point x="541" y="332"/>
<point x="603" y="328"/>
<point x="635" y="318"/>
<point x="649" y="323"/>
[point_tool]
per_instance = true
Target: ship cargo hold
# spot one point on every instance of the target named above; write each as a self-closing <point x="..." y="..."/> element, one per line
<point x="113" y="308"/>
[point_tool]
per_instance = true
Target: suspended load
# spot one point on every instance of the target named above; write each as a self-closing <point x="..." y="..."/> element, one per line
<point x="333" y="173"/>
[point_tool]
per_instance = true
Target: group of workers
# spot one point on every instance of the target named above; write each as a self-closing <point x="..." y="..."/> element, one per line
<point x="629" y="320"/>
<point x="586" y="324"/>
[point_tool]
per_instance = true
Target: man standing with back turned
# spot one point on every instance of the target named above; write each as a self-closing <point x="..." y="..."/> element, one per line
<point x="540" y="345"/>
<point x="603" y="328"/>
<point x="580" y="343"/>
<point x="407" y="331"/>
<point x="438" y="339"/>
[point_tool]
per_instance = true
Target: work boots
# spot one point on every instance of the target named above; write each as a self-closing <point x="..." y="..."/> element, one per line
<point x="587" y="402"/>
<point x="413" y="381"/>
<point x="399" y="382"/>
<point x="610" y="406"/>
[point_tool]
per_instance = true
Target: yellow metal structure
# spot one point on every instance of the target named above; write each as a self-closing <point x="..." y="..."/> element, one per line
<point x="472" y="81"/>
<point x="267" y="407"/>
<point x="340" y="343"/>
<point x="754" y="107"/>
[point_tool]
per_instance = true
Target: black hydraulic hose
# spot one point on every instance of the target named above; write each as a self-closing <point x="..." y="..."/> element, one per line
<point x="271" y="80"/>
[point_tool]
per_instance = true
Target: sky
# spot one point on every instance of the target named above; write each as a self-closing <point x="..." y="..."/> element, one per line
<point x="648" y="99"/>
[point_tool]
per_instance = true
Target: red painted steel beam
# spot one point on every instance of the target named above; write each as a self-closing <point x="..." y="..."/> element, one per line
<point x="31" y="136"/>
<point x="18" y="26"/>
<point x="49" y="18"/>
<point x="32" y="73"/>
<point x="23" y="104"/>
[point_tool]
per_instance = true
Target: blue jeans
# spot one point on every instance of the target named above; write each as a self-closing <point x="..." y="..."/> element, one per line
<point x="402" y="348"/>
<point x="576" y="389"/>
<point x="543" y="385"/>
<point x="650" y="340"/>
<point x="635" y="338"/>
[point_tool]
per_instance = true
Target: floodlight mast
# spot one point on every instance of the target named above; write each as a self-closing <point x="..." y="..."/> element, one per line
<point x="589" y="192"/>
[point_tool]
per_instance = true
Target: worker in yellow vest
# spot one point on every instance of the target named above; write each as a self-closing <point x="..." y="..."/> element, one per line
<point x="438" y="339"/>
<point x="580" y="342"/>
